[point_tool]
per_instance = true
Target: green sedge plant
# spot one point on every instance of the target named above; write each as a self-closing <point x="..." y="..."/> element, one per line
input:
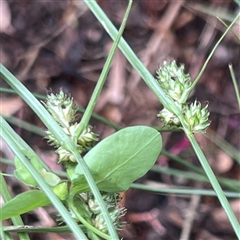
<point x="96" y="174"/>
<point x="172" y="106"/>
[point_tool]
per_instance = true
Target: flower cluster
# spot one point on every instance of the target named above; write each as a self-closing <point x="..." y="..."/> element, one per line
<point x="174" y="81"/>
<point x="90" y="210"/>
<point x="196" y="118"/>
<point x="177" y="85"/>
<point x="61" y="107"/>
<point x="63" y="110"/>
<point x="112" y="203"/>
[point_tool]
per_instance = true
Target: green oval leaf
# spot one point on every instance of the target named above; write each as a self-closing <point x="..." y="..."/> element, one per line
<point x="51" y="178"/>
<point x="120" y="159"/>
<point x="21" y="172"/>
<point x="23" y="203"/>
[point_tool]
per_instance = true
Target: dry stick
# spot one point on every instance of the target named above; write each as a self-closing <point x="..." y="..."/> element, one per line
<point x="116" y="81"/>
<point x="190" y="216"/>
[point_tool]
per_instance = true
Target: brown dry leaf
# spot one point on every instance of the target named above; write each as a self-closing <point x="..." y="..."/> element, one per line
<point x="10" y="106"/>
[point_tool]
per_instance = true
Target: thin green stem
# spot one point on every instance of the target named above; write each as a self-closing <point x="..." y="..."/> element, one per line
<point x="216" y="186"/>
<point x="96" y="93"/>
<point x="212" y="52"/>
<point x="162" y="189"/>
<point x="24" y="228"/>
<point x="236" y="88"/>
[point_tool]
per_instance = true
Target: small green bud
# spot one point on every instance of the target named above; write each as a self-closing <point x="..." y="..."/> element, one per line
<point x="174" y="81"/>
<point x="168" y="118"/>
<point x="51" y="178"/>
<point x="52" y="141"/>
<point x="66" y="156"/>
<point x="99" y="223"/>
<point x="87" y="138"/>
<point x="196" y="118"/>
<point x="61" y="107"/>
<point x="61" y="190"/>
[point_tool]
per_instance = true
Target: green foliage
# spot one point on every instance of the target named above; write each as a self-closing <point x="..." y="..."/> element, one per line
<point x="23" y="175"/>
<point x="23" y="203"/>
<point x="120" y="159"/>
<point x="115" y="163"/>
<point x="177" y="85"/>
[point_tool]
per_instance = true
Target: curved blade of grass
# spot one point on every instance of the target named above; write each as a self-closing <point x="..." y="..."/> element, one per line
<point x="231" y="184"/>
<point x="212" y="52"/>
<point x="30" y="229"/>
<point x="153" y="187"/>
<point x="25" y="125"/>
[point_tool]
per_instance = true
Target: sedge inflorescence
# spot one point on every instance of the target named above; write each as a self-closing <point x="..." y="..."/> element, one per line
<point x="63" y="110"/>
<point x="177" y="85"/>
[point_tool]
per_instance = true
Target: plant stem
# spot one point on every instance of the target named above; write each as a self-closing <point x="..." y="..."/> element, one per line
<point x="213" y="180"/>
<point x="96" y="93"/>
